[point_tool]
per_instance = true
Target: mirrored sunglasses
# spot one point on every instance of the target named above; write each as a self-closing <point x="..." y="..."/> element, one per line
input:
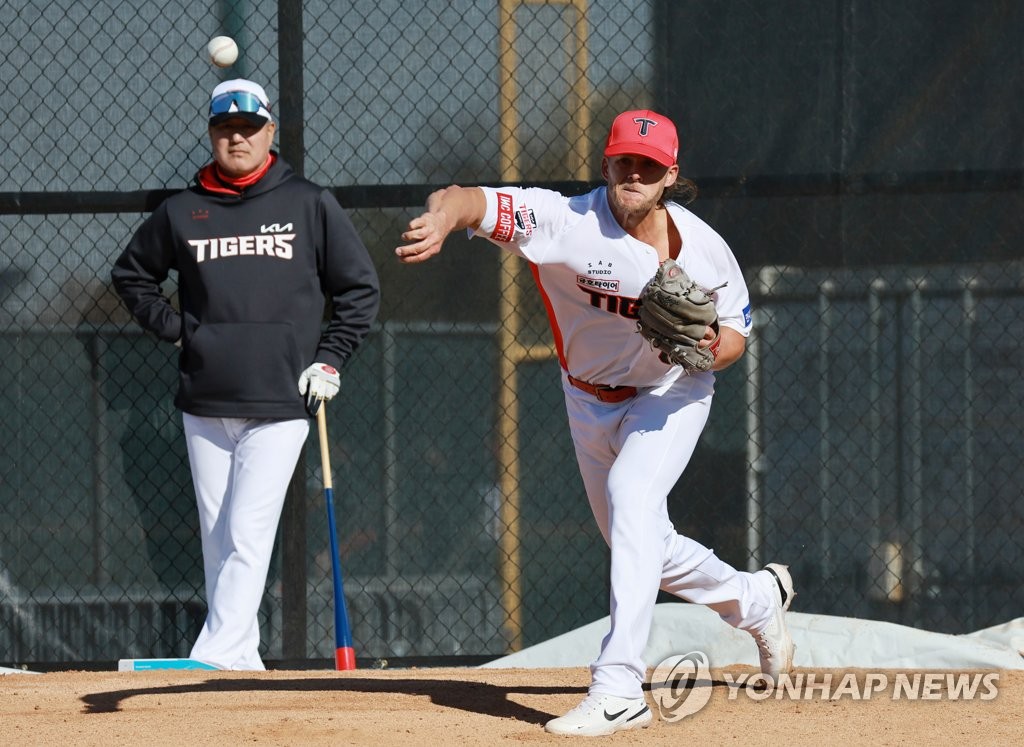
<point x="243" y="101"/>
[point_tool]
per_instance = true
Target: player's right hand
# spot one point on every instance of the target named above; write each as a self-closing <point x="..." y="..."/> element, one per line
<point x="448" y="209"/>
<point x="425" y="236"/>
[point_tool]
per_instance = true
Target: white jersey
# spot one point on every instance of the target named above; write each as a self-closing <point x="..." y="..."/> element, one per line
<point x="590" y="273"/>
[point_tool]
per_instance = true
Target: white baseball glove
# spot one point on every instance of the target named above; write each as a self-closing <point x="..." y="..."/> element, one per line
<point x="318" y="383"/>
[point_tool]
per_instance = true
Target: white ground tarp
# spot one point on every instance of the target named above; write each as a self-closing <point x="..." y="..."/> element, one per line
<point x="821" y="641"/>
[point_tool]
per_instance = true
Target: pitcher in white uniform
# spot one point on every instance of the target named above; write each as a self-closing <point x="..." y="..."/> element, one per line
<point x="634" y="419"/>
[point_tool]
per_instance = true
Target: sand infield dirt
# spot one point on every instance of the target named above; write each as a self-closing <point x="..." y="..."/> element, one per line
<point x="456" y="706"/>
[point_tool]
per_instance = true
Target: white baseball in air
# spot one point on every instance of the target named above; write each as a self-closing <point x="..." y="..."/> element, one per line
<point x="222" y="51"/>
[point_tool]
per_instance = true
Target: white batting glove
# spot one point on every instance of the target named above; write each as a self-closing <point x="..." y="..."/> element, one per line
<point x="318" y="383"/>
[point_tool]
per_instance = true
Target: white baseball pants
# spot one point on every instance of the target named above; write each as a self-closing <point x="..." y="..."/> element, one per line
<point x="630" y="455"/>
<point x="240" y="470"/>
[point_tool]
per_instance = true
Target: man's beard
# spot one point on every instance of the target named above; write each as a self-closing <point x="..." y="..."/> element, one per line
<point x="633" y="208"/>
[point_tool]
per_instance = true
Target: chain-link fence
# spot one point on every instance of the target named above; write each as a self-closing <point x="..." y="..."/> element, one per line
<point x="864" y="161"/>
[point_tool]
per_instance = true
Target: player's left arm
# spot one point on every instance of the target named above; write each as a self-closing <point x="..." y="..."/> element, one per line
<point x="733" y="306"/>
<point x="731" y="346"/>
<point x="349" y="278"/>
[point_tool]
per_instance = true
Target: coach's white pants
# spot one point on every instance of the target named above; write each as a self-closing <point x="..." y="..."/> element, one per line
<point x="630" y="455"/>
<point x="240" y="470"/>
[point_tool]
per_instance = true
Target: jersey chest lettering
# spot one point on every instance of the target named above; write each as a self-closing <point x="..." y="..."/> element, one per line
<point x="270" y="245"/>
<point x="621" y="305"/>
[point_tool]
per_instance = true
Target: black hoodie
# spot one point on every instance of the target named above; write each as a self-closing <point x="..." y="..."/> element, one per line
<point x="254" y="271"/>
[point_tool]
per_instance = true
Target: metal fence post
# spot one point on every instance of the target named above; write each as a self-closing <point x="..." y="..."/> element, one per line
<point x="293" y="519"/>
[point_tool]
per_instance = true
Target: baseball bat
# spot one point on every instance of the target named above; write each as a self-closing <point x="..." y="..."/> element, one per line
<point x="344" y="654"/>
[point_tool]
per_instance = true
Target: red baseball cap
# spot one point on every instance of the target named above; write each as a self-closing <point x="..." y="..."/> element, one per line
<point x="643" y="133"/>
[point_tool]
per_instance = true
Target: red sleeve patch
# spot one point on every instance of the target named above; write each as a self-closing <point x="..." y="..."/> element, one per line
<point x="505" y="226"/>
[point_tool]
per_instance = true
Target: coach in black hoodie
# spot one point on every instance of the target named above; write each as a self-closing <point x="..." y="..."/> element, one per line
<point x="258" y="251"/>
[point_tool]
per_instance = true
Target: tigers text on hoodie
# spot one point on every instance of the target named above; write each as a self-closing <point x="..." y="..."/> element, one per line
<point x="255" y="268"/>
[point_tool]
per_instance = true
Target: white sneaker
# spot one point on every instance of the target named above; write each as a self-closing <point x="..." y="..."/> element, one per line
<point x="774" y="644"/>
<point x="599" y="715"/>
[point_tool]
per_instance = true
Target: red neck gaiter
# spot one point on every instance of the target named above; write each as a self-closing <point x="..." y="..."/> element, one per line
<point x="213" y="179"/>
